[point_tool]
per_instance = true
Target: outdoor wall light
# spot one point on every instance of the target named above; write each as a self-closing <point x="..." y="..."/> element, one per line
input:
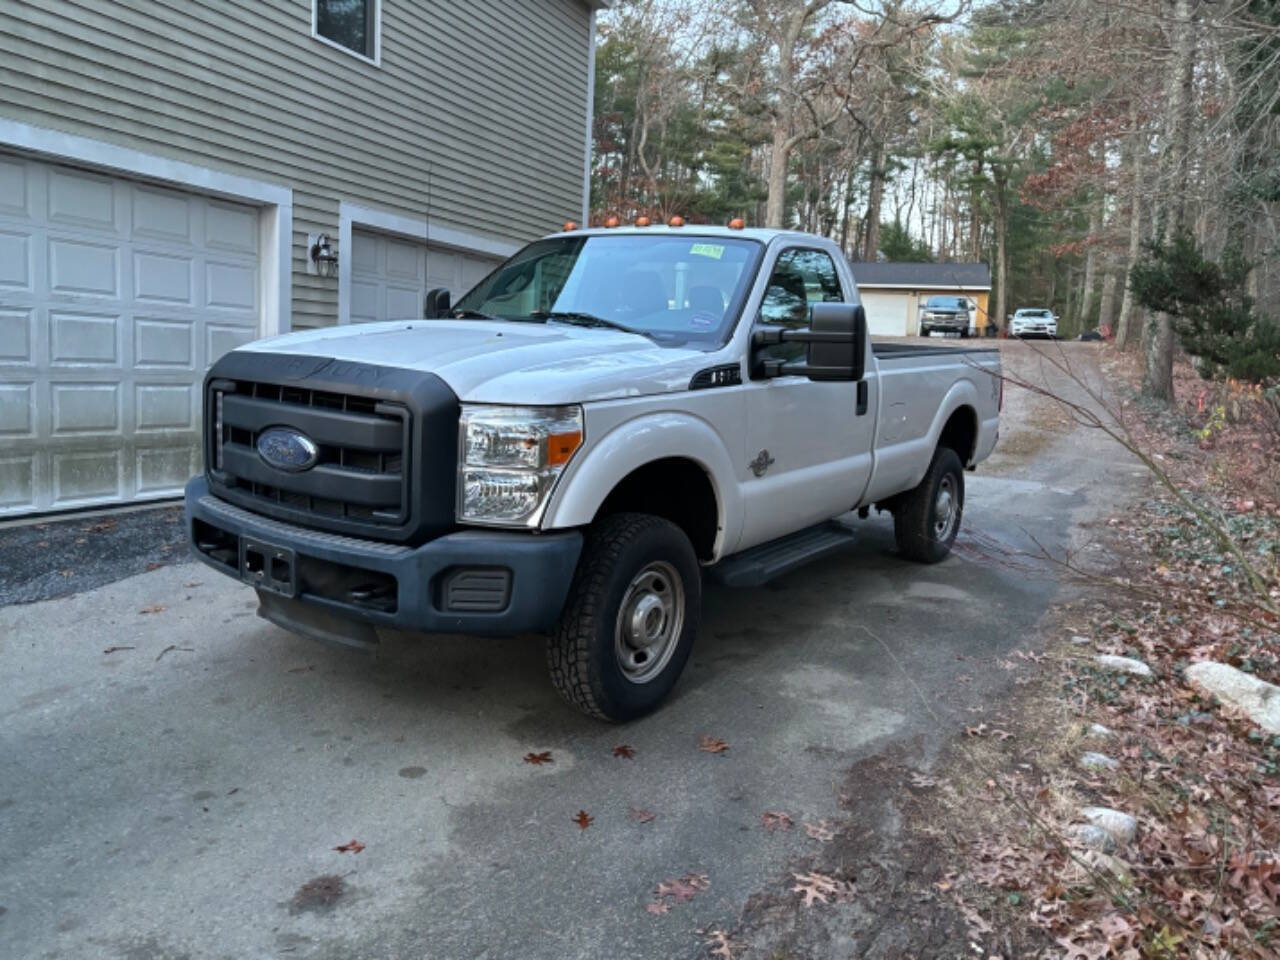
<point x="323" y="258"/>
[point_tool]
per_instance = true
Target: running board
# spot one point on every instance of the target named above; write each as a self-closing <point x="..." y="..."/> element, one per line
<point x="760" y="564"/>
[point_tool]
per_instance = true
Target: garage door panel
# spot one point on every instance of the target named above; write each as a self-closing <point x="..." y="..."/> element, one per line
<point x="162" y="278"/>
<point x="221" y="339"/>
<point x="231" y="286"/>
<point x="163" y="470"/>
<point x="80" y="408"/>
<point x="76" y="338"/>
<point x="15" y="191"/>
<point x="404" y="260"/>
<point x="886" y="313"/>
<point x="86" y="477"/>
<point x="82" y="199"/>
<point x="404" y="302"/>
<point x="163" y="406"/>
<point x="79" y="268"/>
<point x="17" y="335"/>
<point x="17" y="409"/>
<point x="364" y="300"/>
<point x="15" y="261"/>
<point x="163" y="343"/>
<point x="17" y="483"/>
<point x="364" y="253"/>
<point x="390" y="276"/>
<point x="161" y="214"/>
<point x="230" y="227"/>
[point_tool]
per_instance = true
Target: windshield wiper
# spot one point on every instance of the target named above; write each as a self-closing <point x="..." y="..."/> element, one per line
<point x="581" y="319"/>
<point x="472" y="315"/>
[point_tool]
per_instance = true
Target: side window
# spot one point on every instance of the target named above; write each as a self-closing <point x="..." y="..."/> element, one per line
<point x="799" y="278"/>
<point x="349" y="24"/>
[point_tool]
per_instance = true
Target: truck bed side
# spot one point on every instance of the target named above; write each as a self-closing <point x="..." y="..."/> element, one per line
<point x="922" y="387"/>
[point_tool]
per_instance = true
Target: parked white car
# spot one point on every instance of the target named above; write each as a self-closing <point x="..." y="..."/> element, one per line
<point x="1033" y="322"/>
<point x="566" y="450"/>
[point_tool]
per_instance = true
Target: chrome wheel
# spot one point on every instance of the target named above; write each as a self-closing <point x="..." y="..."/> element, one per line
<point x="946" y="511"/>
<point x="650" y="620"/>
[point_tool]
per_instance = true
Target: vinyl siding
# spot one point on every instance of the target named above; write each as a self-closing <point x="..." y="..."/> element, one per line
<point x="486" y="98"/>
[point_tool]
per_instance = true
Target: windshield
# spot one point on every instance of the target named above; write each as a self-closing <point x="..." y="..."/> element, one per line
<point x="947" y="303"/>
<point x="1033" y="313"/>
<point x="672" y="288"/>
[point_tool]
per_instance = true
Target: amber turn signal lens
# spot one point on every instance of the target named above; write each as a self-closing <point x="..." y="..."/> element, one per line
<point x="570" y="225"/>
<point x="676" y="222"/>
<point x="737" y="223"/>
<point x="642" y="221"/>
<point x="560" y="447"/>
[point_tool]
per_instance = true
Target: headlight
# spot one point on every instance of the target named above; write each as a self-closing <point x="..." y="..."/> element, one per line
<point x="510" y="459"/>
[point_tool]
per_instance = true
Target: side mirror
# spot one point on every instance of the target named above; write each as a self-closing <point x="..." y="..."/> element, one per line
<point x="437" y="304"/>
<point x="838" y="350"/>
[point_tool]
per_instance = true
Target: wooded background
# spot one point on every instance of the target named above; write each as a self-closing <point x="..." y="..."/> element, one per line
<point x="1056" y="140"/>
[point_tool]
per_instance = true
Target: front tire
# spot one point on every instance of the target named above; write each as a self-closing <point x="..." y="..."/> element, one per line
<point x="927" y="519"/>
<point x="631" y="618"/>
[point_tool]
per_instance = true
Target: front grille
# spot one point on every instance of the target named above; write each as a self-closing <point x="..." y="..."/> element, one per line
<point x="360" y="478"/>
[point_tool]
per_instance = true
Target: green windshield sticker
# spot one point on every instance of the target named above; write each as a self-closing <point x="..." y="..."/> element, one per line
<point x="713" y="250"/>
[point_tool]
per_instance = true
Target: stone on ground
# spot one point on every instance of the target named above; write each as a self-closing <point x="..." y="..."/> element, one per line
<point x="1098" y="761"/>
<point x="1257" y="699"/>
<point x="1098" y="730"/>
<point x="1119" y="825"/>
<point x="1093" y="837"/>
<point x="1116" y="664"/>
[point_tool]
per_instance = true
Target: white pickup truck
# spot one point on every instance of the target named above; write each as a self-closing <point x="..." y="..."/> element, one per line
<point x="566" y="450"/>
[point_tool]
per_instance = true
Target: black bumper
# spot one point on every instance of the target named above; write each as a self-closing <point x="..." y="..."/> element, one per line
<point x="471" y="582"/>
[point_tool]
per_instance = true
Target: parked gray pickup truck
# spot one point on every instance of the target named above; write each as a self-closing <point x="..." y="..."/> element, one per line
<point x="946" y="315"/>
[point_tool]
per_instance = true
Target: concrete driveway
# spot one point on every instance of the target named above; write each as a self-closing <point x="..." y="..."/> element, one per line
<point x="175" y="773"/>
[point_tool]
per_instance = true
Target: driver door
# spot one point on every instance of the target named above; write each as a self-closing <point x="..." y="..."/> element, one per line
<point x="808" y="455"/>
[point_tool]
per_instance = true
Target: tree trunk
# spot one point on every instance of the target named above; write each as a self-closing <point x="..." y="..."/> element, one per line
<point x="776" y="207"/>
<point x="1157" y="382"/>
<point x="1090" y="266"/>
<point x="874" y="202"/>
<point x="1125" y="325"/>
<point x="1002" y="260"/>
<point x="1107" y="307"/>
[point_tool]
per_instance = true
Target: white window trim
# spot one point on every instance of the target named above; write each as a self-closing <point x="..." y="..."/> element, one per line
<point x="275" y="202"/>
<point x="351" y="215"/>
<point x="376" y="59"/>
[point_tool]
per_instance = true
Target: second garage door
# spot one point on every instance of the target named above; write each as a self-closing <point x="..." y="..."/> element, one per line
<point x="115" y="296"/>
<point x="887" y="313"/>
<point x="390" y="276"/>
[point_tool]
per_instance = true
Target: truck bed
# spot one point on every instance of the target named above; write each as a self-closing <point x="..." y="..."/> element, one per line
<point x="898" y="349"/>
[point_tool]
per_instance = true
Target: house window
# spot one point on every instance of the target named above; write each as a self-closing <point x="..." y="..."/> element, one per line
<point x="352" y="25"/>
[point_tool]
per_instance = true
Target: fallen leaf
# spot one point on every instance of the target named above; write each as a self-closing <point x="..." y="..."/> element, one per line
<point x="820" y="831"/>
<point x="820" y="888"/>
<point x="538" y="759"/>
<point x="154" y="566"/>
<point x="154" y="608"/>
<point x="721" y="945"/>
<point x="351" y="846"/>
<point x="712" y="745"/>
<point x="583" y="819"/>
<point x="114" y="649"/>
<point x="773" y="820"/>
<point x="979" y="731"/>
<point x="1003" y="734"/>
<point x="658" y="907"/>
<point x="642" y="816"/>
<point x="922" y="781"/>
<point x="624" y="751"/>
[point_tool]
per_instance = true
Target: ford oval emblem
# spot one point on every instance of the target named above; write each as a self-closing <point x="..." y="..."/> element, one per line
<point x="287" y="449"/>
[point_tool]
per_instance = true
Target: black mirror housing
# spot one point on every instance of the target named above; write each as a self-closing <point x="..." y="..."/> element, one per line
<point x="838" y="349"/>
<point x="437" y="304"/>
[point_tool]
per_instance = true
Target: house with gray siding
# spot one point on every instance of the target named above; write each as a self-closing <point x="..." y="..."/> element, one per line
<point x="178" y="177"/>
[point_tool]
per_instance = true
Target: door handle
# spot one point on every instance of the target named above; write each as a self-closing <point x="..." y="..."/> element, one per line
<point x="862" y="397"/>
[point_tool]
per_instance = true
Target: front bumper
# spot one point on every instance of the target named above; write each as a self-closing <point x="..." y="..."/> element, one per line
<point x="471" y="582"/>
<point x="947" y="323"/>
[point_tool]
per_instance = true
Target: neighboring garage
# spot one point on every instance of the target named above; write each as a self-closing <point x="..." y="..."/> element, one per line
<point x="390" y="275"/>
<point x="893" y="292"/>
<point x="115" y="296"/>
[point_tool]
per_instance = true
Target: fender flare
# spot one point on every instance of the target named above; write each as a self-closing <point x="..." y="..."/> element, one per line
<point x="962" y="394"/>
<point x="635" y="443"/>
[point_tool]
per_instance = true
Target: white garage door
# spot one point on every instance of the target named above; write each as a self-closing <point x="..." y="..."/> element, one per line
<point x="887" y="313"/>
<point x="115" y="296"/>
<point x="390" y="276"/>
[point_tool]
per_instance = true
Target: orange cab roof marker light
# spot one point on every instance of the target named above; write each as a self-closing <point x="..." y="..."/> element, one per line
<point x="643" y="221"/>
<point x="570" y="225"/>
<point x="676" y="222"/>
<point x="737" y="223"/>
<point x="612" y="222"/>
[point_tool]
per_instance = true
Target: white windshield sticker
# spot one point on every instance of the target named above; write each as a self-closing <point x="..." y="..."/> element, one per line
<point x="713" y="250"/>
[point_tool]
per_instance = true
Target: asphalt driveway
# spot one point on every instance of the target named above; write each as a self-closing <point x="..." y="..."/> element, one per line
<point x="175" y="773"/>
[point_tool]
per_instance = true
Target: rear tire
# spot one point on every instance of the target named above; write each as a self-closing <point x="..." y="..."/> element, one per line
<point x="927" y="519"/>
<point x="631" y="618"/>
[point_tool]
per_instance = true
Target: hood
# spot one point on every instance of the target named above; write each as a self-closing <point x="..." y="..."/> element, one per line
<point x="507" y="362"/>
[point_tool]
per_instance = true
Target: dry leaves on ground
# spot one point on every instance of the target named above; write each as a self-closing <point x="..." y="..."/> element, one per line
<point x="538" y="759"/>
<point x="773" y="820"/>
<point x="351" y="846"/>
<point x="583" y="819"/>
<point x="712" y="745"/>
<point x="820" y="888"/>
<point x="625" y="752"/>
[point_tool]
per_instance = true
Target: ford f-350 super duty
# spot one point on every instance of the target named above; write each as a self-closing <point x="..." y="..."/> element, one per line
<point x="568" y="449"/>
